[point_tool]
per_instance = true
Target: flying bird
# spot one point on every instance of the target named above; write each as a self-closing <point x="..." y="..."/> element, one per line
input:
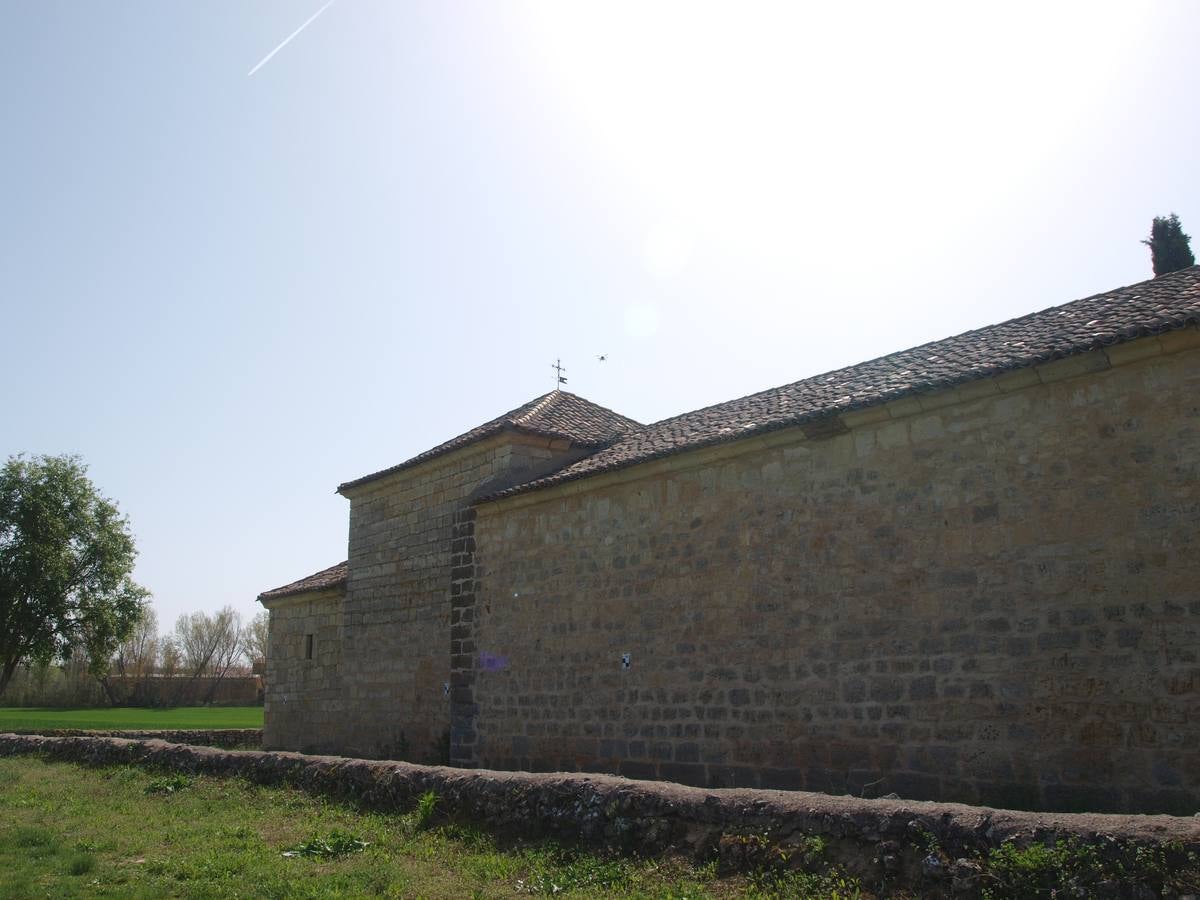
<point x="287" y="40"/>
<point x="602" y="357"/>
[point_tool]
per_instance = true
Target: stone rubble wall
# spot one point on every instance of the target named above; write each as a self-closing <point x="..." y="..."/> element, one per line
<point x="986" y="594"/>
<point x="884" y="842"/>
<point x="228" y="738"/>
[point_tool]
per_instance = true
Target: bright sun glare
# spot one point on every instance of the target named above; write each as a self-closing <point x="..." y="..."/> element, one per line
<point x="750" y="126"/>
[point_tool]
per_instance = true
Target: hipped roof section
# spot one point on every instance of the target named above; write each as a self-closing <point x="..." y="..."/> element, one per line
<point x="1149" y="307"/>
<point x="558" y="414"/>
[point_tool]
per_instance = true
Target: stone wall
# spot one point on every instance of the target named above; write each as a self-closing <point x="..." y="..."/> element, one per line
<point x="302" y="696"/>
<point x="395" y="697"/>
<point x="159" y="690"/>
<point x="987" y="594"/>
<point x="934" y="850"/>
<point x="227" y="738"/>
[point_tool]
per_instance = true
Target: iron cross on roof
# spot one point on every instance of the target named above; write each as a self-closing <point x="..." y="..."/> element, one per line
<point x="558" y="370"/>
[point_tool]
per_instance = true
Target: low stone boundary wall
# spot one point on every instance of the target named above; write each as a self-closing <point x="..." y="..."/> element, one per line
<point x="890" y="844"/>
<point x="228" y="738"/>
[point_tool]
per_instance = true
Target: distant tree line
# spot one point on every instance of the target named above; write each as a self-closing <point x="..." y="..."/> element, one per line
<point x="203" y="650"/>
<point x="185" y="666"/>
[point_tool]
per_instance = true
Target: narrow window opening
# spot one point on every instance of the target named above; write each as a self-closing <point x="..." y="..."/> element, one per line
<point x="308" y="642"/>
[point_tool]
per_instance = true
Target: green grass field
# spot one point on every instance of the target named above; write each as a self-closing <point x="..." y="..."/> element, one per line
<point x="18" y="719"/>
<point x="123" y="831"/>
<point x="68" y="831"/>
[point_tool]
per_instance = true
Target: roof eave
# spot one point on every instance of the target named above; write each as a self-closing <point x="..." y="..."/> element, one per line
<point x="272" y="600"/>
<point x="488" y="435"/>
<point x="427" y="456"/>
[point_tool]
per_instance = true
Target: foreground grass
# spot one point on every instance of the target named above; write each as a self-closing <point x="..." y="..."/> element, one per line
<point x="124" y="831"/>
<point x="19" y="719"/>
<point x="68" y="830"/>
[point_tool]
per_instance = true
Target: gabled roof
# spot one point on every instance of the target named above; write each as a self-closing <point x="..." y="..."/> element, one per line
<point x="1150" y="307"/>
<point x="326" y="579"/>
<point x="557" y="414"/>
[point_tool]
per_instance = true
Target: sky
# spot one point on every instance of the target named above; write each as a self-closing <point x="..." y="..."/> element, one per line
<point x="230" y="292"/>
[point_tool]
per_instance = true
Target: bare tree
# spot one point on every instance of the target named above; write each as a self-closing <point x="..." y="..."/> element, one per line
<point x="256" y="637"/>
<point x="169" y="659"/>
<point x="134" y="661"/>
<point x="138" y="653"/>
<point x="209" y="646"/>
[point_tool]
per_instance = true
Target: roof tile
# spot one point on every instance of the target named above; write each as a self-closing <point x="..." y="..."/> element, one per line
<point x="324" y="580"/>
<point x="1150" y="307"/>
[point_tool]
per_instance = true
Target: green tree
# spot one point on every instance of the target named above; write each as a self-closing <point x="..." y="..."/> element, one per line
<point x="1170" y="248"/>
<point x="65" y="560"/>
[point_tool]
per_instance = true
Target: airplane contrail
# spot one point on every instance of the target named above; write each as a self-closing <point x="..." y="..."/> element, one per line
<point x="287" y="40"/>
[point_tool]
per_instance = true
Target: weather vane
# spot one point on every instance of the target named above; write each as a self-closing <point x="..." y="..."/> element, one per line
<point x="558" y="370"/>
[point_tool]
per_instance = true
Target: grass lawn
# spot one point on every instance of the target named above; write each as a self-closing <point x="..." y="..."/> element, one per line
<point x="124" y="831"/>
<point x="68" y="830"/>
<point x="18" y="719"/>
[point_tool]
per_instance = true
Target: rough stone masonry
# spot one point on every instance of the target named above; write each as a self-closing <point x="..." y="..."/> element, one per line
<point x="964" y="572"/>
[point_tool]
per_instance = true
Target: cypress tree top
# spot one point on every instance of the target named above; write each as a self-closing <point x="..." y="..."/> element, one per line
<point x="1170" y="248"/>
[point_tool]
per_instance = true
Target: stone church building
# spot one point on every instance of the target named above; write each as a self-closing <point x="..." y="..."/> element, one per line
<point x="965" y="571"/>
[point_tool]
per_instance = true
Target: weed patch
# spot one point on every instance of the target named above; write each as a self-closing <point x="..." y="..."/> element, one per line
<point x="786" y="885"/>
<point x="797" y="869"/>
<point x="168" y="784"/>
<point x="575" y="873"/>
<point x="33" y="837"/>
<point x="1074" y="869"/>
<point x="81" y="864"/>
<point x="423" y="814"/>
<point x="338" y="843"/>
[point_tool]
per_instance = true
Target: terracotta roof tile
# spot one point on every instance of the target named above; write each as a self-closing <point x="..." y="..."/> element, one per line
<point x="557" y="414"/>
<point x="324" y="580"/>
<point x="1150" y="307"/>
